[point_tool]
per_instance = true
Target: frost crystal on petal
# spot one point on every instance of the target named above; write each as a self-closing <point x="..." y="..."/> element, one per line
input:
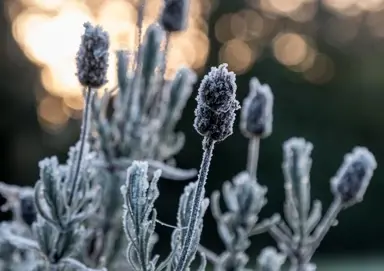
<point x="92" y="57"/>
<point x="216" y="104"/>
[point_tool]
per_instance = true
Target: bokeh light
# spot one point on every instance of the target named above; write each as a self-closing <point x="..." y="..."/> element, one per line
<point x="49" y="32"/>
<point x="237" y="54"/>
<point x="290" y="49"/>
<point x="291" y="29"/>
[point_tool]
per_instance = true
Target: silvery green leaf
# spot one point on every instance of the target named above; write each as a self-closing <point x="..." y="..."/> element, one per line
<point x="230" y="197"/>
<point x="291" y="215"/>
<point x="122" y="69"/>
<point x="78" y="266"/>
<point x="172" y="144"/>
<point x="70" y="166"/>
<point x="139" y="217"/>
<point x="132" y="257"/>
<point x="168" y="171"/>
<point x="168" y="261"/>
<point x="183" y="215"/>
<point x="68" y="243"/>
<point x="265" y="224"/>
<point x="44" y="233"/>
<point x="21" y="242"/>
<point x="151" y="60"/>
<point x="314" y="216"/>
<point x="179" y="93"/>
<point x="42" y="210"/>
<point x="51" y="180"/>
<point x="215" y="205"/>
<point x="203" y="263"/>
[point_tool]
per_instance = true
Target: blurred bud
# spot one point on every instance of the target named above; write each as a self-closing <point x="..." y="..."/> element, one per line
<point x="216" y="104"/>
<point x="353" y="177"/>
<point x="180" y="91"/>
<point x="256" y="114"/>
<point x="270" y="260"/>
<point x="297" y="164"/>
<point x="297" y="160"/>
<point x="174" y="15"/>
<point x="231" y="261"/>
<point x="122" y="68"/>
<point x="151" y="51"/>
<point x="92" y="57"/>
<point x="246" y="197"/>
<point x="27" y="209"/>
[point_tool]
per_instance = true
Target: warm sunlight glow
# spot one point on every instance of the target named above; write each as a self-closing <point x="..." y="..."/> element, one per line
<point x="51" y="114"/>
<point x="290" y="49"/>
<point x="238" y="55"/>
<point x="49" y="31"/>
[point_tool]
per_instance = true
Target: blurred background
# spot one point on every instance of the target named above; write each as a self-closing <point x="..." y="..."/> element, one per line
<point x="322" y="58"/>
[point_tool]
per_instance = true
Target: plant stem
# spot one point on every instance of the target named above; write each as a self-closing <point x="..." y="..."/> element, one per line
<point x="253" y="156"/>
<point x="321" y="230"/>
<point x="211" y="256"/>
<point x="326" y="223"/>
<point x="164" y="64"/>
<point x="139" y="24"/>
<point x="83" y="138"/>
<point x="208" y="146"/>
<point x="302" y="200"/>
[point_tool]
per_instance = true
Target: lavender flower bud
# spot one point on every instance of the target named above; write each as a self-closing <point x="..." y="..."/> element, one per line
<point x="256" y="114"/>
<point x="92" y="57"/>
<point x="174" y="15"/>
<point x="296" y="168"/>
<point x="271" y="260"/>
<point x="216" y="104"/>
<point x="297" y="159"/>
<point x="353" y="177"/>
<point x="244" y="196"/>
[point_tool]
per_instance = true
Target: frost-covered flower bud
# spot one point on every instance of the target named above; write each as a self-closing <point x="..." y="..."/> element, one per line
<point x="256" y="114"/>
<point x="216" y="104"/>
<point x="245" y="196"/>
<point x="270" y="260"/>
<point x="92" y="57"/>
<point x="296" y="166"/>
<point x="353" y="177"/>
<point x="297" y="160"/>
<point x="174" y="15"/>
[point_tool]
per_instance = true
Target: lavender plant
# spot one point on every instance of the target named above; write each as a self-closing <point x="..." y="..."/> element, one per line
<point x="304" y="229"/>
<point x="139" y="220"/>
<point x="145" y="112"/>
<point x="244" y="197"/>
<point x="71" y="219"/>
